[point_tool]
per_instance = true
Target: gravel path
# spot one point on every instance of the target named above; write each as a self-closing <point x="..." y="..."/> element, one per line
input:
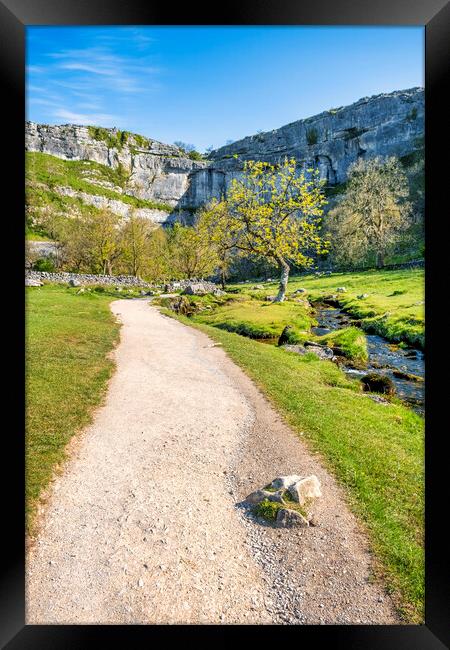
<point x="146" y="524"/>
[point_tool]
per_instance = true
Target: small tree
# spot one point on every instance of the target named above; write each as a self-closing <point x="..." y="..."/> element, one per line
<point x="135" y="244"/>
<point x="185" y="146"/>
<point x="215" y="219"/>
<point x="191" y="252"/>
<point x="103" y="238"/>
<point x="374" y="213"/>
<point x="91" y="241"/>
<point x="274" y="212"/>
<point x="157" y="266"/>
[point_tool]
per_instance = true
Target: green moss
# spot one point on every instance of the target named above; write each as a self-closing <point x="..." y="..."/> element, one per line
<point x="350" y="342"/>
<point x="267" y="509"/>
<point x="292" y="336"/>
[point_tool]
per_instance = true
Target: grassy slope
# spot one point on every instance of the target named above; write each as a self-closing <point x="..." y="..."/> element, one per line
<point x="67" y="339"/>
<point x="44" y="172"/>
<point x="376" y="451"/>
<point x="405" y="319"/>
<point x="257" y="319"/>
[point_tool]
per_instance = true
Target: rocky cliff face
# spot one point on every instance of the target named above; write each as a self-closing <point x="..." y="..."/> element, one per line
<point x="384" y="125"/>
<point x="388" y="124"/>
<point x="157" y="172"/>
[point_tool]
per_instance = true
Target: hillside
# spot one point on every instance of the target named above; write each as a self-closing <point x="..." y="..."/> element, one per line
<point x="74" y="168"/>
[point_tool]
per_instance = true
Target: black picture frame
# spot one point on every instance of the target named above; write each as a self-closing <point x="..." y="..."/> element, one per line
<point x="15" y="15"/>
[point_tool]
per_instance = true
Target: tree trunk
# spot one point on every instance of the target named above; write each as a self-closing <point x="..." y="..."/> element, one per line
<point x="283" y="281"/>
<point x="222" y="279"/>
<point x="380" y="260"/>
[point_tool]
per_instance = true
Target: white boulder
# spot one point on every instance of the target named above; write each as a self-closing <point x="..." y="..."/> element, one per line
<point x="305" y="489"/>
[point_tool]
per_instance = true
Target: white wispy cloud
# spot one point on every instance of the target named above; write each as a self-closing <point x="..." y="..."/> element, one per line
<point x="79" y="85"/>
<point x="35" y="69"/>
<point x="104" y="119"/>
<point x="125" y="74"/>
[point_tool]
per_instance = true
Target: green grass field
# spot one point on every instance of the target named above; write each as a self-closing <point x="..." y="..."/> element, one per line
<point x="375" y="451"/>
<point x="394" y="307"/>
<point x="256" y="319"/>
<point x="68" y="336"/>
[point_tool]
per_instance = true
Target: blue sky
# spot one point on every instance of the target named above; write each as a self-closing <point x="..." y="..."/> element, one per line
<point x="207" y="85"/>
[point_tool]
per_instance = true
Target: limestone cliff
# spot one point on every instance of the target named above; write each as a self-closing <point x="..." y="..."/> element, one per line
<point x="384" y="125"/>
<point x="387" y="124"/>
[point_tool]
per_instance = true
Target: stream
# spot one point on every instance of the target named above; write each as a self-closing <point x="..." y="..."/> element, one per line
<point x="384" y="357"/>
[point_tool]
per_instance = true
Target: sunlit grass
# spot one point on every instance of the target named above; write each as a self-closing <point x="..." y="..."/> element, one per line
<point x="68" y="336"/>
<point x="376" y="451"/>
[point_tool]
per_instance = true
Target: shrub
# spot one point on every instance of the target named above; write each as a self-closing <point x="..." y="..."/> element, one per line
<point x="312" y="136"/>
<point x="268" y="509"/>
<point x="195" y="155"/>
<point x="376" y="383"/>
<point x="412" y="114"/>
<point x="44" y="264"/>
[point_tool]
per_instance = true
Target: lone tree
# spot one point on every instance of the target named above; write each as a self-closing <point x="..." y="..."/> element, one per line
<point x="374" y="212"/>
<point x="274" y="212"/>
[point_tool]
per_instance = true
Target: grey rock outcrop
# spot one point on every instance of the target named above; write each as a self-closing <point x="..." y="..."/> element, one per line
<point x="304" y="489"/>
<point x="285" y="482"/>
<point x="120" y="208"/>
<point x="157" y="172"/>
<point x="287" y="518"/>
<point x="387" y="124"/>
<point x="260" y="495"/>
<point x="390" y="124"/>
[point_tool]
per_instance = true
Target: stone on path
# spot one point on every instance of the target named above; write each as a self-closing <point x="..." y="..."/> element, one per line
<point x="287" y="518"/>
<point x="305" y="489"/>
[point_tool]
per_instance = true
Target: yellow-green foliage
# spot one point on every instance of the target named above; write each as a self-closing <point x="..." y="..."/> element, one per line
<point x="275" y="211"/>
